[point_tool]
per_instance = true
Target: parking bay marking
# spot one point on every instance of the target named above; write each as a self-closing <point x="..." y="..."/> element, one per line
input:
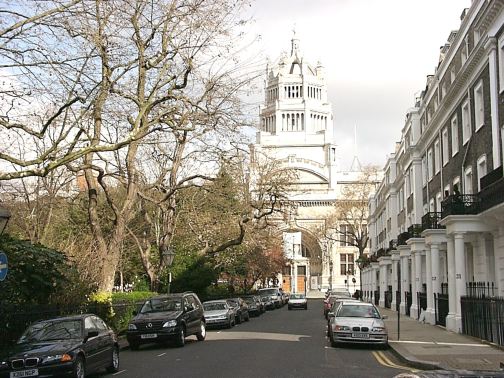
<point x="384" y="360"/>
<point x="119" y="372"/>
<point x="162" y="354"/>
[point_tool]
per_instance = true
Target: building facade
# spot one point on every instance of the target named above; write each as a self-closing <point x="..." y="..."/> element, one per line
<point x="296" y="129"/>
<point x="437" y="219"/>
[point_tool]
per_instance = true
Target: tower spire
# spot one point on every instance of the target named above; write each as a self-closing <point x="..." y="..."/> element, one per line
<point x="356" y="165"/>
<point x="294" y="42"/>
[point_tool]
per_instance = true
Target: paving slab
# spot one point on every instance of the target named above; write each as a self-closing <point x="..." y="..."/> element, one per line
<point x="428" y="347"/>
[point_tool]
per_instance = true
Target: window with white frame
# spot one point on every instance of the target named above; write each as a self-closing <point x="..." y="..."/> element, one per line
<point x="456" y="183"/>
<point x="466" y="122"/>
<point x="431" y="205"/>
<point x="447" y="190"/>
<point x="401" y="199"/>
<point x="454" y="135"/>
<point x="453" y="75"/>
<point x="410" y="178"/>
<point x="468" y="177"/>
<point x="445" y="142"/>
<point x="438" y="201"/>
<point x="437" y="157"/>
<point x="479" y="113"/>
<point x="430" y="167"/>
<point x="481" y="169"/>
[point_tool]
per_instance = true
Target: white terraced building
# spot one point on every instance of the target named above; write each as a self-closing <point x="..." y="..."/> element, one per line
<point x="437" y="220"/>
<point x="296" y="128"/>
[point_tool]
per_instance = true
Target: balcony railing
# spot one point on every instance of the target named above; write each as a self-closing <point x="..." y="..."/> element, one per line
<point x="402" y="237"/>
<point x="492" y="195"/>
<point x="415" y="230"/>
<point x="430" y="221"/>
<point x="460" y="204"/>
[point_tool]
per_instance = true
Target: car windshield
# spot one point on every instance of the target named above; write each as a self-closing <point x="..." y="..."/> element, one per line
<point x="161" y="304"/>
<point x="264" y="299"/>
<point x="297" y="296"/>
<point x="268" y="291"/>
<point x="357" y="311"/>
<point x="214" y="306"/>
<point x="52" y="330"/>
<point x="232" y="303"/>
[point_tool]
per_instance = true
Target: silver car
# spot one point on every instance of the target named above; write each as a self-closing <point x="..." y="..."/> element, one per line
<point x="357" y="322"/>
<point x="297" y="301"/>
<point x="219" y="313"/>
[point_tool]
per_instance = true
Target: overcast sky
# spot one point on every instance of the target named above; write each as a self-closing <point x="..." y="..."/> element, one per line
<point x="377" y="54"/>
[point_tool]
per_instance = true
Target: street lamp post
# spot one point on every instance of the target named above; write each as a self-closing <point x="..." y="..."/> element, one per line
<point x="168" y="256"/>
<point x="330" y="273"/>
<point x="360" y="263"/>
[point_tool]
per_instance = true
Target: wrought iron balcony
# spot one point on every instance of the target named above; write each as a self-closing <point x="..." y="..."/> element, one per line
<point x="415" y="230"/>
<point x="393" y="244"/>
<point x="460" y="204"/>
<point x="492" y="192"/>
<point x="402" y="237"/>
<point x="430" y="221"/>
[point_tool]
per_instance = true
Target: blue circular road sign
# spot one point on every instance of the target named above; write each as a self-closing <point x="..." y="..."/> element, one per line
<point x="4" y="266"/>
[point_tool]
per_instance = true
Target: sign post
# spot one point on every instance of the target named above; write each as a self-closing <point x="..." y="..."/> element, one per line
<point x="398" y="299"/>
<point x="4" y="266"/>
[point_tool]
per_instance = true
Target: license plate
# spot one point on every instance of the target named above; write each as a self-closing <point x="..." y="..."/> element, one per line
<point x="360" y="335"/>
<point x="24" y="373"/>
<point x="149" y="336"/>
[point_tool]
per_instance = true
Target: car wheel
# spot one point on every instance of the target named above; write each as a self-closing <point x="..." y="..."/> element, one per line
<point x="334" y="343"/>
<point x="114" y="364"/>
<point x="289" y="308"/>
<point x="180" y="342"/>
<point x="229" y="323"/>
<point x="306" y="307"/>
<point x="79" y="368"/>
<point x="202" y="332"/>
<point x="247" y="318"/>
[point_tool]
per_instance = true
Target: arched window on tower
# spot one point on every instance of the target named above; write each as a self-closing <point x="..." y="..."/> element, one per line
<point x="293" y="122"/>
<point x="283" y="122"/>
<point x="302" y="121"/>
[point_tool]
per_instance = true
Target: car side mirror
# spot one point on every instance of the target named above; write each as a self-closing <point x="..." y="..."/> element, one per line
<point x="91" y="334"/>
<point x="384" y="317"/>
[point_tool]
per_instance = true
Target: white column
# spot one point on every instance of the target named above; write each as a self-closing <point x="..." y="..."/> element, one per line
<point x="294" y="284"/>
<point x="395" y="262"/>
<point x="405" y="282"/>
<point x="498" y="242"/>
<point x="460" y="276"/>
<point x="414" y="285"/>
<point x="383" y="284"/>
<point x="429" y="312"/>
<point x="434" y="281"/>
<point x="494" y="100"/>
<point x="452" y="292"/>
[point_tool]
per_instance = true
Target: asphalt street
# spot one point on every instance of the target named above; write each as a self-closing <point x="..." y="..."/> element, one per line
<point x="279" y="343"/>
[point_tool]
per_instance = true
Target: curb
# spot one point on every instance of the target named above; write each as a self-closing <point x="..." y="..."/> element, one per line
<point x="414" y="362"/>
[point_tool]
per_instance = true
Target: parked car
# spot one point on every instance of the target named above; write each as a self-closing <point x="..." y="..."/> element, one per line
<point x="334" y="308"/>
<point x="357" y="322"/>
<point x="255" y="306"/>
<point x="219" y="313"/>
<point x="165" y="318"/>
<point x="74" y="346"/>
<point x="274" y="293"/>
<point x="297" y="301"/>
<point x="328" y="302"/>
<point x="241" y="309"/>
<point x="267" y="302"/>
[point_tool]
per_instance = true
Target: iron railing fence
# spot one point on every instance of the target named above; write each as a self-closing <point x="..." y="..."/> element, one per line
<point x="422" y="302"/>
<point x="480" y="289"/>
<point x="441" y="308"/>
<point x="492" y="195"/>
<point x="409" y="301"/>
<point x="388" y="298"/>
<point x="483" y="317"/>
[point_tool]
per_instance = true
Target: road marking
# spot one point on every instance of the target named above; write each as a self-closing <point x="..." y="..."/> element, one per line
<point x="254" y="336"/>
<point x="119" y="372"/>
<point x="385" y="361"/>
<point x="437" y="343"/>
<point x="162" y="354"/>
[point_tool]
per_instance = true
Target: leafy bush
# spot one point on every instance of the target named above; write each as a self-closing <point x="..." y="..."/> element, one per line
<point x="117" y="308"/>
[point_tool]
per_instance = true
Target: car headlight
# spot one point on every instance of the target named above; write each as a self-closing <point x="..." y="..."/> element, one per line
<point x="342" y="328"/>
<point x="378" y="329"/>
<point x="4" y="365"/>
<point x="132" y="327"/>
<point x="170" y="323"/>
<point x="57" y="357"/>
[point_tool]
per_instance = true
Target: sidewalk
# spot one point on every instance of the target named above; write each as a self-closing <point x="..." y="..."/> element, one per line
<point x="432" y="347"/>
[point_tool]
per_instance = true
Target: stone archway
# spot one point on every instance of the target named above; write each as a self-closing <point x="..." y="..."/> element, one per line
<point x="304" y="270"/>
